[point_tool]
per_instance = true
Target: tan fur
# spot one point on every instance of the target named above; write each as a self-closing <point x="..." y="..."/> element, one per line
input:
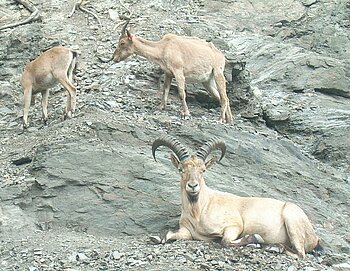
<point x="217" y="214"/>
<point x="183" y="58"/>
<point x="54" y="66"/>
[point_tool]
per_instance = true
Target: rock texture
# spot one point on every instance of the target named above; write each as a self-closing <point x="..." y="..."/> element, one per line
<point x="91" y="180"/>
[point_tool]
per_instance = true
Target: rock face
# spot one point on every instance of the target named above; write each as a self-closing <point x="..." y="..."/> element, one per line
<point x="289" y="85"/>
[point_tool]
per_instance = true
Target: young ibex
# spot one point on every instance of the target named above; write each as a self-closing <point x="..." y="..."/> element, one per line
<point x="207" y="214"/>
<point x="182" y="58"/>
<point x="54" y="66"/>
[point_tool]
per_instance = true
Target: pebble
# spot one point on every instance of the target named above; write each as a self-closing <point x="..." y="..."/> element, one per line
<point x="113" y="14"/>
<point x="117" y="255"/>
<point x="112" y="103"/>
<point x="38" y="252"/>
<point x="81" y="257"/>
<point x="94" y="27"/>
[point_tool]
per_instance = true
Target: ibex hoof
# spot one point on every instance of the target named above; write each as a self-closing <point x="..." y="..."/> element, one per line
<point x="186" y="116"/>
<point x="229" y="121"/>
<point x="275" y="248"/>
<point x="157" y="239"/>
<point x="68" y="115"/>
<point x="223" y="120"/>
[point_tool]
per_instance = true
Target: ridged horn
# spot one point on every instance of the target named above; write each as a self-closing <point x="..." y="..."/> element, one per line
<point x="172" y="143"/>
<point x="124" y="27"/>
<point x="211" y="145"/>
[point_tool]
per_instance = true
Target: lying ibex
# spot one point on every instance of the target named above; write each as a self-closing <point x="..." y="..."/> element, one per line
<point x="53" y="66"/>
<point x="182" y="58"/>
<point x="207" y="214"/>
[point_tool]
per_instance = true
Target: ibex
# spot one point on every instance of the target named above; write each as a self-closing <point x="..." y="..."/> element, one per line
<point x="54" y="66"/>
<point x="183" y="58"/>
<point x="207" y="214"/>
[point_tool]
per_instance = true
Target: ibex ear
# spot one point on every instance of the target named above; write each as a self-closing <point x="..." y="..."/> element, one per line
<point x="129" y="35"/>
<point x="210" y="162"/>
<point x="174" y="160"/>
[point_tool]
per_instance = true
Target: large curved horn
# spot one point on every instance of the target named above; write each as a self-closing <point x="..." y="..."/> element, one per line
<point x="124" y="27"/>
<point x="172" y="143"/>
<point x="211" y="145"/>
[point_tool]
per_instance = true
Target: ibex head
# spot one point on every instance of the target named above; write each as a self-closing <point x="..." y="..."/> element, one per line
<point x="191" y="167"/>
<point x="125" y="46"/>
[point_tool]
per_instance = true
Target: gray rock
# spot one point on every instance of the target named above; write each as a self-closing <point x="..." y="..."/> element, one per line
<point x="341" y="267"/>
<point x="309" y="3"/>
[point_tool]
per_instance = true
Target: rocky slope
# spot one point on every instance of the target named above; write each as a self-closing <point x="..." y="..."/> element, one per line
<point x="85" y="194"/>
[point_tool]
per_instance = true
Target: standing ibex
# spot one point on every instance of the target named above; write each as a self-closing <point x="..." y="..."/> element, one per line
<point x="181" y="57"/>
<point x="207" y="214"/>
<point x="53" y="66"/>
